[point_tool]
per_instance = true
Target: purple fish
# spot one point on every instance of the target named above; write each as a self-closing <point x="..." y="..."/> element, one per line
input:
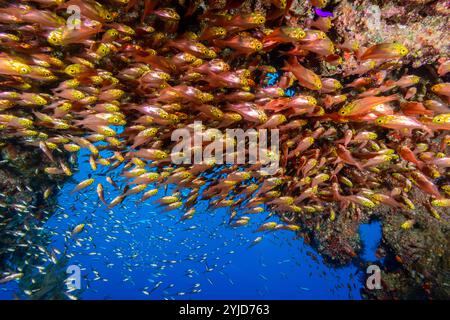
<point x="322" y="13"/>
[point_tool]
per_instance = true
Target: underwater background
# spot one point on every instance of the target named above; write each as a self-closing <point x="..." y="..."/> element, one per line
<point x="358" y="89"/>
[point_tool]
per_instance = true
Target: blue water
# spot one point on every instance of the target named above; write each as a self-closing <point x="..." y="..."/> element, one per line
<point x="371" y="235"/>
<point x="137" y="251"/>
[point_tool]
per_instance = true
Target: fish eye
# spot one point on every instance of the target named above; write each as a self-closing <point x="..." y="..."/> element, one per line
<point x="104" y="50"/>
<point x="23" y="70"/>
<point x="113" y="32"/>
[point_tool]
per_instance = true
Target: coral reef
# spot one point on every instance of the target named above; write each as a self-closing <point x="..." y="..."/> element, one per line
<point x="420" y="25"/>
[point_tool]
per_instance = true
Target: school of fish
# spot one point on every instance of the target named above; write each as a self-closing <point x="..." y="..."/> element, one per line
<point x="121" y="77"/>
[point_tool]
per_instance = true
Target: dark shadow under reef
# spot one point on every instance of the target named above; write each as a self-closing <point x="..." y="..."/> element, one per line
<point x="27" y="201"/>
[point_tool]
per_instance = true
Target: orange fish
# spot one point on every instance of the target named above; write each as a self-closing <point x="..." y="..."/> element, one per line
<point x="321" y="23"/>
<point x="90" y="9"/>
<point x="407" y="154"/>
<point x="69" y="35"/>
<point x="401" y="122"/>
<point x="241" y="44"/>
<point x="411" y="108"/>
<point x="305" y="77"/>
<point x="444" y="68"/>
<point x="83" y="184"/>
<point x="385" y="51"/>
<point x="322" y="47"/>
<point x="243" y="22"/>
<point x="285" y="35"/>
<point x="425" y="184"/>
<point x="346" y="156"/>
<point x="442" y="89"/>
<point x="364" y="105"/>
